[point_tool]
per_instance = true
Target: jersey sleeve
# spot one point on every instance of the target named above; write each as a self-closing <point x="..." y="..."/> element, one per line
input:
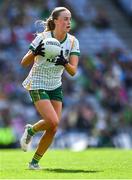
<point x="75" y="49"/>
<point x="35" y="42"/>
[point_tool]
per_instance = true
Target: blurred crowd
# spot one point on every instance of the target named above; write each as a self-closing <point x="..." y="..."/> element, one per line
<point x="97" y="108"/>
<point x="126" y="7"/>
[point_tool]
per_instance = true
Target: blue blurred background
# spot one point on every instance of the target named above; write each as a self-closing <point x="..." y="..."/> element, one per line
<point x="97" y="109"/>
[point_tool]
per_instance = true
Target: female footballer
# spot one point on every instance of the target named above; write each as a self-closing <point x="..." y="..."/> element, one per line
<point x="44" y="79"/>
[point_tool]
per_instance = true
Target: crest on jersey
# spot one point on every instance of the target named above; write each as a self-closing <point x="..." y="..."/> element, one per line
<point x="66" y="52"/>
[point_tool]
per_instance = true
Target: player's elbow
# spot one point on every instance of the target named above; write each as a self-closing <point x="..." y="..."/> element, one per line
<point x="28" y="59"/>
<point x="23" y="64"/>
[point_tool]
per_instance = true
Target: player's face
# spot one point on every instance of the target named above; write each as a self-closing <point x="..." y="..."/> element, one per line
<point x="64" y="21"/>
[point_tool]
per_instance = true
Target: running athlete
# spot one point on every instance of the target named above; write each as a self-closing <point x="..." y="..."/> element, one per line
<point x="44" y="80"/>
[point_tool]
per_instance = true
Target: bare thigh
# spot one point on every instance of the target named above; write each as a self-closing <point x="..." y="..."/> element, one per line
<point x="57" y="107"/>
<point x="47" y="111"/>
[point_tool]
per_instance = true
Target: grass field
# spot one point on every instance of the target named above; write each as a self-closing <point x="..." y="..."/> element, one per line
<point x="65" y="164"/>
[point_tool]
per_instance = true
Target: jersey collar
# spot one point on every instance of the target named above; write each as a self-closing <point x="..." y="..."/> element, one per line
<point x="60" y="41"/>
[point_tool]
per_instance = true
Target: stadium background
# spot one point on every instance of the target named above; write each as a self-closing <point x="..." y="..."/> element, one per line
<point x="97" y="108"/>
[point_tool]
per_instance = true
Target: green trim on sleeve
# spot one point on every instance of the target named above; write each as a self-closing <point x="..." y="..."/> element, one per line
<point x="75" y="53"/>
<point x="31" y="47"/>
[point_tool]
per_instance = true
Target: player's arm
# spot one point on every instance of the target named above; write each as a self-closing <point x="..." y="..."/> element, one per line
<point x="28" y="59"/>
<point x="71" y="67"/>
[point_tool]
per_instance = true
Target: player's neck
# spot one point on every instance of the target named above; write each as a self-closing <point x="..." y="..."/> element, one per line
<point x="59" y="35"/>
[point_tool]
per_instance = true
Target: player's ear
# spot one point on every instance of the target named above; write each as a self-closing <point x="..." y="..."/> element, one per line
<point x="55" y="21"/>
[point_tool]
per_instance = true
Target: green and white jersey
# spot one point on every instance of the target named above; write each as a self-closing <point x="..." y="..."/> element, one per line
<point x="44" y="74"/>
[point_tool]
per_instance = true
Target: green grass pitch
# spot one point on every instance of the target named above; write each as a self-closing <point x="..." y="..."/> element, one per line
<point x="65" y="164"/>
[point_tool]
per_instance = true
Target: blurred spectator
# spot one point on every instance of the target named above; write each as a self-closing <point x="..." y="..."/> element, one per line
<point x="101" y="20"/>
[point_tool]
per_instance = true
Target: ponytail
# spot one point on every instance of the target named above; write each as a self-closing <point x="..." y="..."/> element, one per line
<point x="50" y="25"/>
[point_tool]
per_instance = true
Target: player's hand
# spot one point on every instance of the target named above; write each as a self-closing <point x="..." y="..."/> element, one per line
<point x="61" y="60"/>
<point x="39" y="50"/>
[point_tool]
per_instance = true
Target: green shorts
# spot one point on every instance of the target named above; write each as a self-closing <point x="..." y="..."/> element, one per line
<point x="55" y="94"/>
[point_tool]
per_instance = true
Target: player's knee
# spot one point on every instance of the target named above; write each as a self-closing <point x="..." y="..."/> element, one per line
<point x="53" y="130"/>
<point x="54" y="124"/>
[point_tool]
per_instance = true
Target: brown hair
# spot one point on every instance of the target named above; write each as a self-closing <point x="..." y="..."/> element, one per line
<point x="50" y="25"/>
